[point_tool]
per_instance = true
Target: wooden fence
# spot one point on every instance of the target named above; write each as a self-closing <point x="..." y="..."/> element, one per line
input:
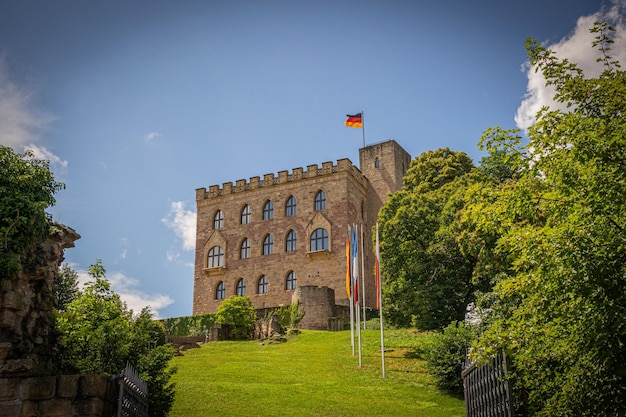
<point x="487" y="392"/>
<point x="133" y="394"/>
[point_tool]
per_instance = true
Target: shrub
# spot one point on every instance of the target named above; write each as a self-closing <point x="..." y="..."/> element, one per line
<point x="446" y="354"/>
<point x="238" y="314"/>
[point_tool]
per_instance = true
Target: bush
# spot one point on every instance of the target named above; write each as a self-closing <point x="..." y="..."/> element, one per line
<point x="237" y="313"/>
<point x="189" y="325"/>
<point x="446" y="354"/>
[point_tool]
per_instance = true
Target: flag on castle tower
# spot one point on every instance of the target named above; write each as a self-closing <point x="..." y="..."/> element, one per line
<point x="354" y="120"/>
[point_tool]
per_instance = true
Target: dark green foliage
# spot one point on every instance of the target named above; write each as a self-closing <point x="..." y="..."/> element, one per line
<point x="559" y="309"/>
<point x="100" y="335"/>
<point x="446" y="355"/>
<point x="27" y="189"/>
<point x="237" y="313"/>
<point x="189" y="325"/>
<point x="290" y="316"/>
<point x="65" y="286"/>
<point x="429" y="280"/>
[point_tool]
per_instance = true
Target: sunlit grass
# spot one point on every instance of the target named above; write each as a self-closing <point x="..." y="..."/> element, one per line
<point x="313" y="374"/>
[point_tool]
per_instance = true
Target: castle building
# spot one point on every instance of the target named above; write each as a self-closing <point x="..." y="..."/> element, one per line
<point x="269" y="236"/>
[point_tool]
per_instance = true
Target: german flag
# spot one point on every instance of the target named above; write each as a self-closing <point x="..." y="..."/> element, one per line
<point x="354" y="120"/>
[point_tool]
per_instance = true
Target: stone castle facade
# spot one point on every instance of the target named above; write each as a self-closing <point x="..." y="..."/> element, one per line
<point x="268" y="236"/>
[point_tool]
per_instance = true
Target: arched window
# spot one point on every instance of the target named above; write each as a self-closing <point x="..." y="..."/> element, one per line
<point x="290" y="206"/>
<point x="320" y="200"/>
<point x="261" y="287"/>
<point x="319" y="240"/>
<point x="215" y="258"/>
<point x="268" y="210"/>
<point x="220" y="291"/>
<point x="241" y="287"/>
<point x="244" y="251"/>
<point x="268" y="245"/>
<point x="290" y="282"/>
<point x="291" y="241"/>
<point x="246" y="215"/>
<point x="218" y="220"/>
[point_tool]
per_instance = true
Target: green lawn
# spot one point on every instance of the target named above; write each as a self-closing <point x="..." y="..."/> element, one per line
<point x="313" y="374"/>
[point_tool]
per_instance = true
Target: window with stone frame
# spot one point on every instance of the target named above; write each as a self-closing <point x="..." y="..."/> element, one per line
<point x="319" y="240"/>
<point x="291" y="242"/>
<point x="246" y="215"/>
<point x="215" y="258"/>
<point x="290" y="282"/>
<point x="291" y="207"/>
<point x="268" y="245"/>
<point x="320" y="200"/>
<point x="262" y="285"/>
<point x="268" y="210"/>
<point x="244" y="250"/>
<point x="218" y="220"/>
<point x="240" y="289"/>
<point x="220" y="291"/>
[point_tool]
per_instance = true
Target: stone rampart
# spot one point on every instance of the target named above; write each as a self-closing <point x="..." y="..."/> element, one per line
<point x="318" y="303"/>
<point x="297" y="174"/>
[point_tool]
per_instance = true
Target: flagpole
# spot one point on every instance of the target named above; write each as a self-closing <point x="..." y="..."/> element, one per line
<point x="363" y="276"/>
<point x="350" y="298"/>
<point x="379" y="295"/>
<point x="363" y="127"/>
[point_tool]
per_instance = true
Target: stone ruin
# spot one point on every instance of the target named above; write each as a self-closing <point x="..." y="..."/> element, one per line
<point x="29" y="385"/>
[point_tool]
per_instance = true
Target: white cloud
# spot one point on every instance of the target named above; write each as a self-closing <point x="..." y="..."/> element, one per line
<point x="40" y="152"/>
<point x="20" y="122"/>
<point x="576" y="47"/>
<point x="149" y="137"/>
<point x="127" y="288"/>
<point x="183" y="223"/>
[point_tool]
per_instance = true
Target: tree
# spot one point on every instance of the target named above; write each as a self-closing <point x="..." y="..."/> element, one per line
<point x="65" y="286"/>
<point x="27" y="189"/>
<point x="560" y="311"/>
<point x="429" y="280"/>
<point x="100" y="335"/>
<point x="237" y="313"/>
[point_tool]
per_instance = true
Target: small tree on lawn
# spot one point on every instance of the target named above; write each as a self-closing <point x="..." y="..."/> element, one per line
<point x="238" y="314"/>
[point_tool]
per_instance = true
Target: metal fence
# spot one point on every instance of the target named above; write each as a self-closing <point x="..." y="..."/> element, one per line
<point x="487" y="392"/>
<point x="133" y="394"/>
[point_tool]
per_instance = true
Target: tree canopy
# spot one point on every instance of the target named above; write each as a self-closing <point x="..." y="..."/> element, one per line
<point x="27" y="188"/>
<point x="559" y="305"/>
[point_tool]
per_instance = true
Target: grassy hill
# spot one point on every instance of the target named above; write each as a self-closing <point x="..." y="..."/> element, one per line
<point x="313" y="374"/>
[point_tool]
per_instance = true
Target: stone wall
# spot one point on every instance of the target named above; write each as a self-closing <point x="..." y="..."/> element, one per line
<point x="28" y="343"/>
<point x="27" y="340"/>
<point x="318" y="304"/>
<point x="66" y="395"/>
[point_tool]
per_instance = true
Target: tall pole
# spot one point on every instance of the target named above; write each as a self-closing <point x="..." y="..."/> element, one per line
<point x="363" y="277"/>
<point x="363" y="127"/>
<point x="379" y="295"/>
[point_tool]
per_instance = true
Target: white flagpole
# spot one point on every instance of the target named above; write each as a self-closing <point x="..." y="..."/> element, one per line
<point x="350" y="299"/>
<point x="363" y="277"/>
<point x="356" y="291"/>
<point x="379" y="294"/>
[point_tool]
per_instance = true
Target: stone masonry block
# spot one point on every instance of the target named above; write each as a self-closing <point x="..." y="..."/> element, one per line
<point x="89" y="407"/>
<point x="39" y="388"/>
<point x="67" y="386"/>
<point x="55" y="408"/>
<point x="10" y="408"/>
<point x="9" y="388"/>
<point x="92" y="386"/>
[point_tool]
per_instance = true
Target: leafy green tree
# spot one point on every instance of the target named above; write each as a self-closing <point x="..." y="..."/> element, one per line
<point x="27" y="189"/>
<point x="100" y="335"/>
<point x="237" y="313"/>
<point x="65" y="286"/>
<point x="428" y="279"/>
<point x="559" y="312"/>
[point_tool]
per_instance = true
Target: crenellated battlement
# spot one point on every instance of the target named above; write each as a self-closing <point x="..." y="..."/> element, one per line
<point x="283" y="177"/>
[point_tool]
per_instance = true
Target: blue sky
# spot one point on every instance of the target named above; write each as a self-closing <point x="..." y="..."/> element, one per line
<point x="138" y="103"/>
